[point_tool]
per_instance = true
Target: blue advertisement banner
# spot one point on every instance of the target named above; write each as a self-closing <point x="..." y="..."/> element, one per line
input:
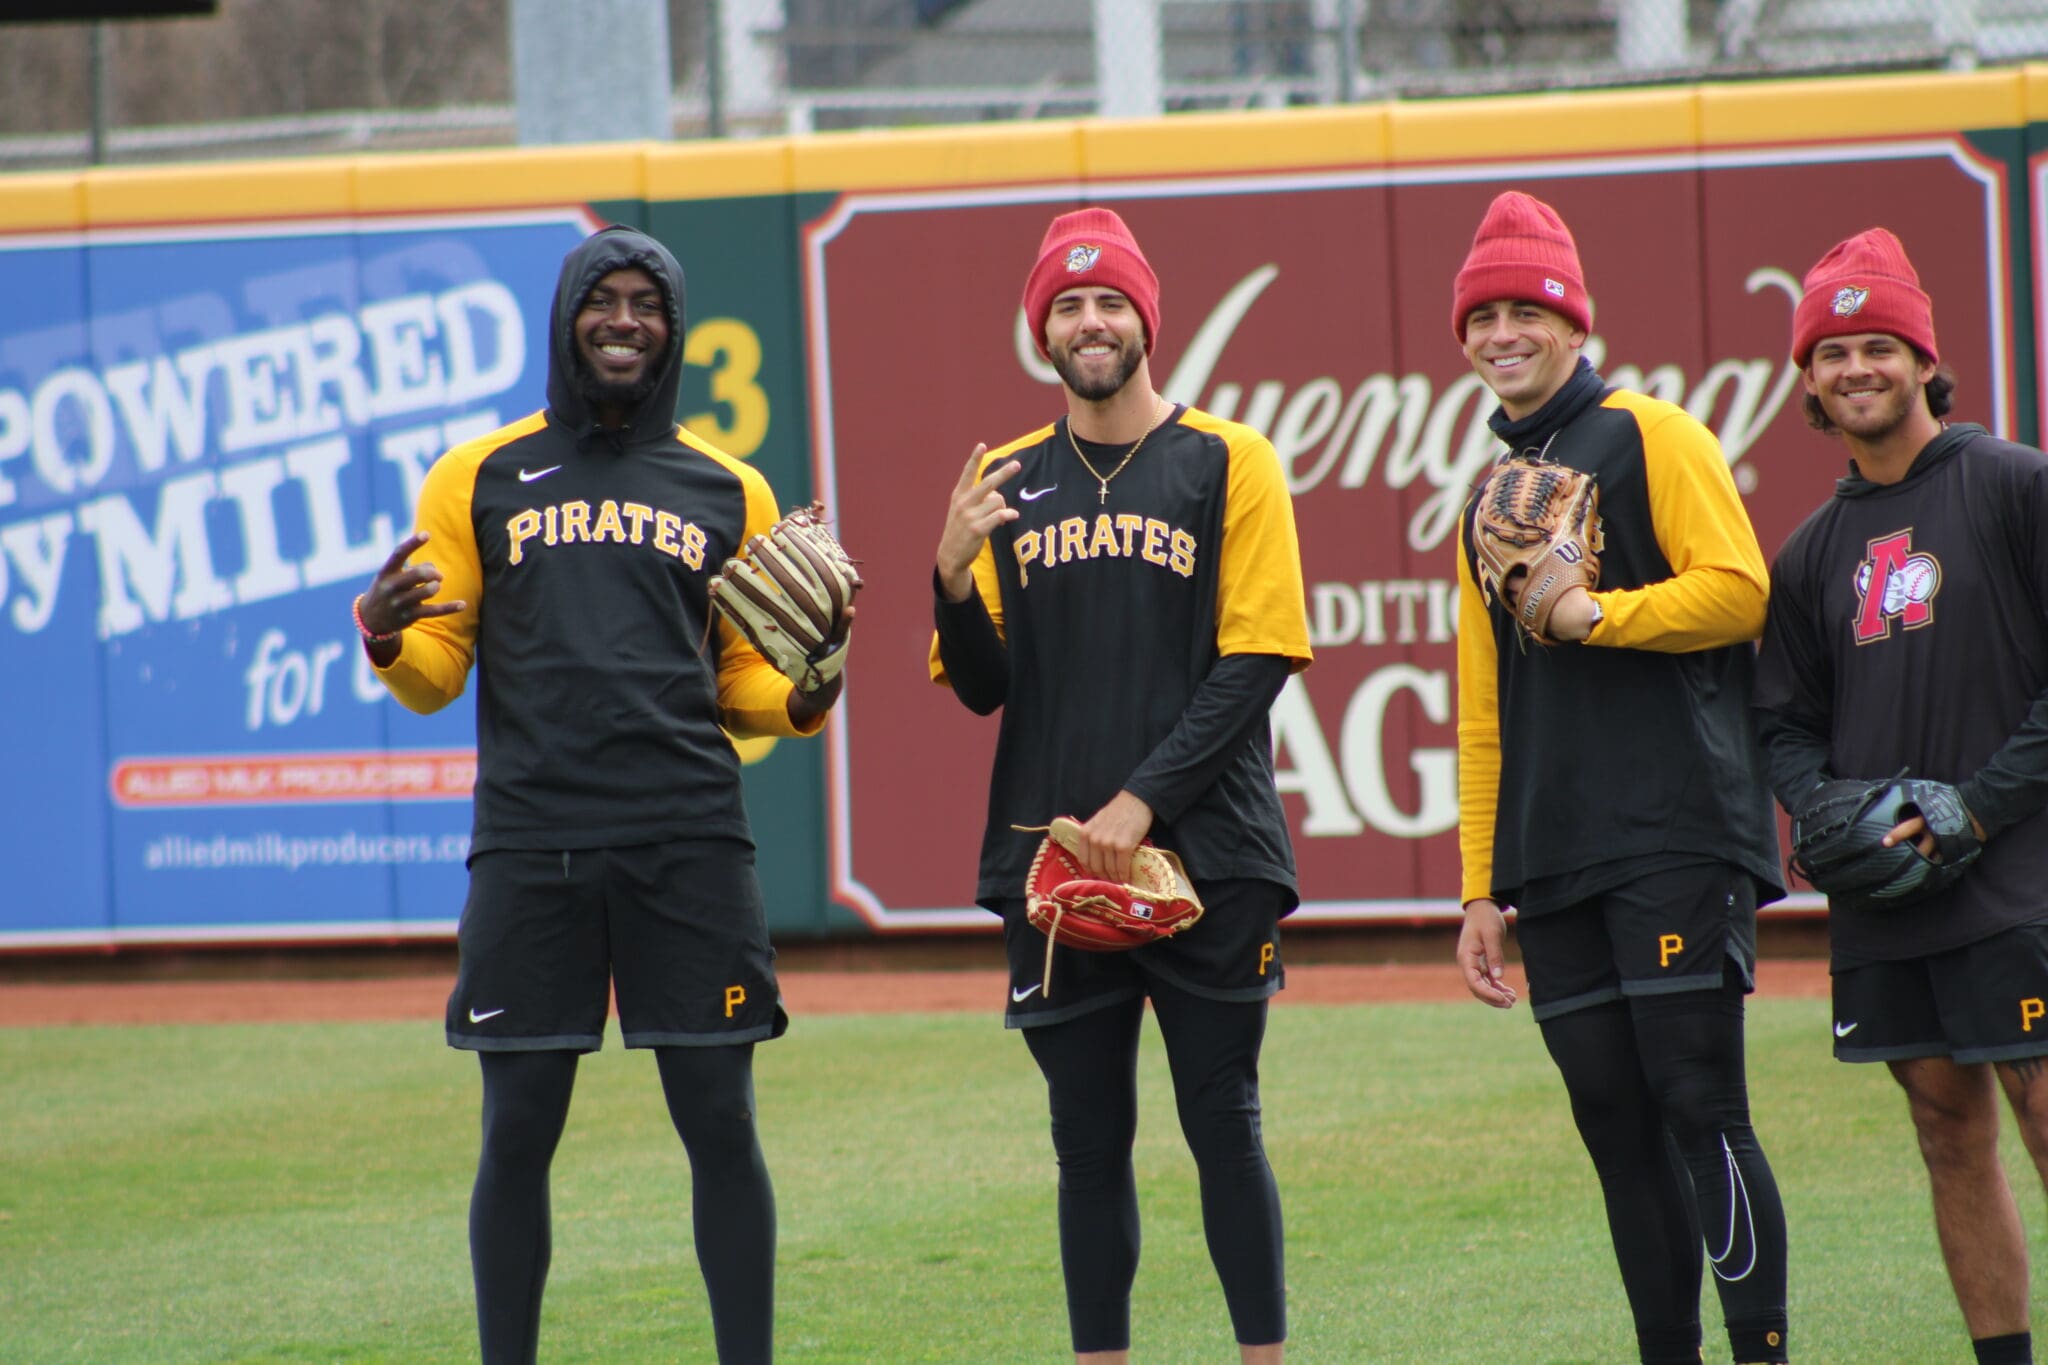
<point x="209" y="439"/>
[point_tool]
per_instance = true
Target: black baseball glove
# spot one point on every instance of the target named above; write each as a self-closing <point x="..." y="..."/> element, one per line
<point x="1838" y="841"/>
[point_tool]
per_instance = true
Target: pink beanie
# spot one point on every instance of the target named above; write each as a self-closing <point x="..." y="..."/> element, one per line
<point x="1090" y="246"/>
<point x="1522" y="251"/>
<point x="1863" y="284"/>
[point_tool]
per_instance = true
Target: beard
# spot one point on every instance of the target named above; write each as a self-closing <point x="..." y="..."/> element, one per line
<point x="1097" y="388"/>
<point x="598" y="391"/>
<point x="1874" y="423"/>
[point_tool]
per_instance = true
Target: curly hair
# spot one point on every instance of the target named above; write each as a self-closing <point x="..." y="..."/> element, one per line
<point x="1941" y="393"/>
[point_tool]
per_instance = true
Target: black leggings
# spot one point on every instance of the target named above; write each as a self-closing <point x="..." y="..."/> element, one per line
<point x="1661" y="1101"/>
<point x="1090" y="1066"/>
<point x="710" y="1092"/>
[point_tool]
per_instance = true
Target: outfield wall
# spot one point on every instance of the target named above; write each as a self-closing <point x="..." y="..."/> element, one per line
<point x="220" y="388"/>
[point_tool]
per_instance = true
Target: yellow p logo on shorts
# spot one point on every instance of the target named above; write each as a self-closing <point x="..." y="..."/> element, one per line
<point x="2031" y="1009"/>
<point x="735" y="996"/>
<point x="1668" y="947"/>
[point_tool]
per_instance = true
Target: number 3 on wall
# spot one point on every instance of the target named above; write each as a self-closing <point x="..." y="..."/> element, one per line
<point x="732" y="352"/>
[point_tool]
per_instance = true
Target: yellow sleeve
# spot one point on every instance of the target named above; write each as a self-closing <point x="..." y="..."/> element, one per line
<point x="1719" y="584"/>
<point x="1261" y="606"/>
<point x="434" y="654"/>
<point x="1478" y="735"/>
<point x="984" y="568"/>
<point x="753" y="697"/>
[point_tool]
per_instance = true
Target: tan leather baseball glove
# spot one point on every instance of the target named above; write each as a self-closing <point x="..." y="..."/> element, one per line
<point x="788" y="591"/>
<point x="1535" y="535"/>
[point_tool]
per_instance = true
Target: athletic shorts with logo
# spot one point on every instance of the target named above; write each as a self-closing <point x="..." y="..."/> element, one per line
<point x="1673" y="930"/>
<point x="1231" y="954"/>
<point x="677" y="927"/>
<point x="1983" y="1002"/>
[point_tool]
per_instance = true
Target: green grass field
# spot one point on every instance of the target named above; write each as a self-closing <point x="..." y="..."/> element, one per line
<point x="273" y="1193"/>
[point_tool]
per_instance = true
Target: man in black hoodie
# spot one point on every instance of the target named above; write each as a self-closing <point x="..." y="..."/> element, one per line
<point x="1908" y="628"/>
<point x="610" y="845"/>
<point x="1608" y="791"/>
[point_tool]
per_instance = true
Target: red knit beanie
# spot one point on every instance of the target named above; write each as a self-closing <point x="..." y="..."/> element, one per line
<point x="1090" y="246"/>
<point x="1863" y="284"/>
<point x="1522" y="251"/>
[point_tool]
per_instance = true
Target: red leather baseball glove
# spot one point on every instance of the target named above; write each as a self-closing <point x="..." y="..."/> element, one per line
<point x="1070" y="906"/>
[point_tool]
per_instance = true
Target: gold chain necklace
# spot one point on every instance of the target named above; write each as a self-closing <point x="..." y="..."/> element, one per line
<point x="1101" y="479"/>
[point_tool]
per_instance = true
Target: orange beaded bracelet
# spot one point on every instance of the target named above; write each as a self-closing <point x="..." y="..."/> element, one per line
<point x="356" y="610"/>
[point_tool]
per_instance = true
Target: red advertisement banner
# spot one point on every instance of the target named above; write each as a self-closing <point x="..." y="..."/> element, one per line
<point x="1317" y="308"/>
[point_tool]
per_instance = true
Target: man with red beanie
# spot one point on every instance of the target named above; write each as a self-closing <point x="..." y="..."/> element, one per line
<point x="1609" y="792"/>
<point x="1125" y="585"/>
<point x="1908" y="629"/>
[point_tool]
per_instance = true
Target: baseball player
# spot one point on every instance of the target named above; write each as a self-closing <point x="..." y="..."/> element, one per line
<point x="1125" y="585"/>
<point x="1908" y="629"/>
<point x="610" y="846"/>
<point x="1609" y="792"/>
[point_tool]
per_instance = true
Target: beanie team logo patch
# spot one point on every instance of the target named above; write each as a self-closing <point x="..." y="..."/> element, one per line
<point x="1553" y="288"/>
<point x="1849" y="300"/>
<point x="1083" y="258"/>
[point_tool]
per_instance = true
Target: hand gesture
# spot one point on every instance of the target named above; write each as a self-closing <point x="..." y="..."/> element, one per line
<point x="977" y="508"/>
<point x="397" y="596"/>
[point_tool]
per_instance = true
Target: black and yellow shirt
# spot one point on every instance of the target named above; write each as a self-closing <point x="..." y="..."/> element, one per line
<point x="1112" y="611"/>
<point x="583" y="556"/>
<point x="1581" y="765"/>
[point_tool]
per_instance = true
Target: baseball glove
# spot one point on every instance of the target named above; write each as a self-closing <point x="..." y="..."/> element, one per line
<point x="1838" y="841"/>
<point x="1539" y="522"/>
<point x="1068" y="905"/>
<point x="788" y="591"/>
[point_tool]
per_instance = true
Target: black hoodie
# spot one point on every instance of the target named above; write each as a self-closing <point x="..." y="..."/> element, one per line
<point x="1908" y="628"/>
<point x="583" y="555"/>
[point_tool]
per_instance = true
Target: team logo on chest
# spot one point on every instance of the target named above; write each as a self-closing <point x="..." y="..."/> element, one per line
<point x="1894" y="583"/>
<point x="620" y="523"/>
<point x="1122" y="535"/>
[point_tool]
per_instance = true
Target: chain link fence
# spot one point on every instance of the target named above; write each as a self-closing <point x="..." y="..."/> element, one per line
<point x="947" y="60"/>
<point x="283" y="77"/>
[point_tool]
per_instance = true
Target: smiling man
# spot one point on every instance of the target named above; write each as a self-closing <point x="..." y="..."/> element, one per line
<point x="1609" y="793"/>
<point x="1134" y="614"/>
<point x="1908" y="629"/>
<point x="611" y="850"/>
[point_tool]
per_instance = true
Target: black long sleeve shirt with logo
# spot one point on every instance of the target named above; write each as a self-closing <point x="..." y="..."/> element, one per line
<point x="1135" y="639"/>
<point x="583" y="557"/>
<point x="1908" y="628"/>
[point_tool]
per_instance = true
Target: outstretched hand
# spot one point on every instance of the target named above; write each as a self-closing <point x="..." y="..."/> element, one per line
<point x="976" y="509"/>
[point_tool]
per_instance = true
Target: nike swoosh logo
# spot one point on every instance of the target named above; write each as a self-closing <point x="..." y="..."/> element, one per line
<point x="1034" y="494"/>
<point x="1019" y="997"/>
<point x="529" y="475"/>
<point x="476" y="1018"/>
<point x="1844" y="1030"/>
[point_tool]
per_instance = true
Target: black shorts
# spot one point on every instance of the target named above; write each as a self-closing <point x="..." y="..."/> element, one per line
<point x="1674" y="930"/>
<point x="678" y="927"/>
<point x="1232" y="953"/>
<point x="1983" y="1002"/>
